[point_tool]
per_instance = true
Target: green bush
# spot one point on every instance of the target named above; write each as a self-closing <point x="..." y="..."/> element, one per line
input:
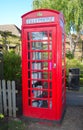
<point x="12" y="66"/>
<point x="69" y="55"/>
<point x="73" y="63"/>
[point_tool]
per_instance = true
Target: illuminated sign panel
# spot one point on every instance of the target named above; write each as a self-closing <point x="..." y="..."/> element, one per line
<point x="40" y="20"/>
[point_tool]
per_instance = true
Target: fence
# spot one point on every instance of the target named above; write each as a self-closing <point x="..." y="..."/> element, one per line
<point x="8" y="98"/>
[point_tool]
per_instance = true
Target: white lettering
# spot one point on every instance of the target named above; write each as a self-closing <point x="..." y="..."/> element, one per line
<point x="40" y="20"/>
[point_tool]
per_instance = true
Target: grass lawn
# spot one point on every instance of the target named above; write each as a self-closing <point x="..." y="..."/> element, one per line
<point x="12" y="124"/>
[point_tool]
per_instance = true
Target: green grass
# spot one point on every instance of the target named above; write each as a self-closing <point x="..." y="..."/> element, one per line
<point x="12" y="124"/>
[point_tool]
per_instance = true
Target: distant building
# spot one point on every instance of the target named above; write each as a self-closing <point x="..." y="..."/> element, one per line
<point x="14" y="43"/>
<point x="11" y="28"/>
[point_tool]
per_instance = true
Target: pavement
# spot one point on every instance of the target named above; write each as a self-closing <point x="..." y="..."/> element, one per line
<point x="74" y="98"/>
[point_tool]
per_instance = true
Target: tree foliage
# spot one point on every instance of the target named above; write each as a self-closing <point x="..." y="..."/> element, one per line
<point x="72" y="10"/>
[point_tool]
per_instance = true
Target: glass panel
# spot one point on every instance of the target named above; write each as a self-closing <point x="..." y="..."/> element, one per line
<point x="45" y="75"/>
<point x="44" y="55"/>
<point x="40" y="103"/>
<point x="41" y="55"/>
<point x="37" y="75"/>
<point x="37" y="93"/>
<point x="36" y="56"/>
<point x="36" y="45"/>
<point x="39" y="36"/>
<point x="45" y="85"/>
<point x="36" y="65"/>
<point x="45" y="65"/>
<point x="39" y="46"/>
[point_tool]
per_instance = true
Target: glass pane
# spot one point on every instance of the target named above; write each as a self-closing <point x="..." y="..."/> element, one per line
<point x="44" y="55"/>
<point x="39" y="46"/>
<point x="36" y="65"/>
<point x="45" y="46"/>
<point x="40" y="103"/>
<point x="45" y="65"/>
<point x="39" y="36"/>
<point x="36" y="45"/>
<point x="45" y="85"/>
<point x="37" y="75"/>
<point x="36" y="56"/>
<point x="45" y="75"/>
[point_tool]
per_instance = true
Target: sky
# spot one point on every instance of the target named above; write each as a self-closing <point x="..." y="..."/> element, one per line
<point x="12" y="10"/>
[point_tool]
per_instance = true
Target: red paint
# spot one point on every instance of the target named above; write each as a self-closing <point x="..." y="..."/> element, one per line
<point x="43" y="64"/>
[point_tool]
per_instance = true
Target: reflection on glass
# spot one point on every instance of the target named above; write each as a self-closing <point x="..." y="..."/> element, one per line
<point x="45" y="75"/>
<point x="36" y="75"/>
<point x="39" y="36"/>
<point x="45" y="65"/>
<point x="45" y="47"/>
<point x="36" y="56"/>
<point x="36" y="65"/>
<point x="45" y="85"/>
<point x="36" y="45"/>
<point x="40" y="103"/>
<point x="45" y="55"/>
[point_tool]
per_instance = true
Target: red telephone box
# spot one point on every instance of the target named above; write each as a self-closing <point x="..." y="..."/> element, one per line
<point x="43" y="64"/>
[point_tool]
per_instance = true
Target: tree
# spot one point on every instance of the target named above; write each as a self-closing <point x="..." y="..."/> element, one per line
<point x="72" y="10"/>
<point x="73" y="13"/>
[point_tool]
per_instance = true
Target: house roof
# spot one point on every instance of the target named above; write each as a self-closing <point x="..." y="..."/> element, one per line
<point x="11" y="28"/>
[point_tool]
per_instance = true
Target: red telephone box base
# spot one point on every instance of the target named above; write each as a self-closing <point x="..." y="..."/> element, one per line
<point x="44" y="121"/>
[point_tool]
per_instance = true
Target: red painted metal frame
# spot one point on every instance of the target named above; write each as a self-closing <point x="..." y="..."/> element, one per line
<point x="59" y="89"/>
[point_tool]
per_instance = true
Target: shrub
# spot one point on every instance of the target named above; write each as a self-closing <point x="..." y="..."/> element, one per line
<point x="12" y="66"/>
<point x="69" y="55"/>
